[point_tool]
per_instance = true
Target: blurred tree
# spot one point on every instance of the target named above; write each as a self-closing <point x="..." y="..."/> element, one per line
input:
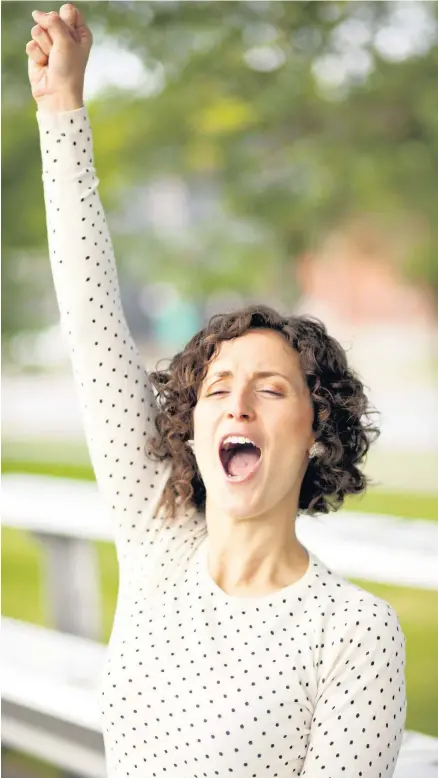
<point x="298" y="115"/>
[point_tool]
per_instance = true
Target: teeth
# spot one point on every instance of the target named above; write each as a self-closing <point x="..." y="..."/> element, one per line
<point x="232" y="440"/>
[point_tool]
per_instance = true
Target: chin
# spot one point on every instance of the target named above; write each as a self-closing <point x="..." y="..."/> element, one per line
<point x="241" y="505"/>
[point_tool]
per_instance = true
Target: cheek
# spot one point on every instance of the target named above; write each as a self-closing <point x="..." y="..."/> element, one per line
<point x="296" y="424"/>
<point x="203" y="427"/>
<point x="198" y="418"/>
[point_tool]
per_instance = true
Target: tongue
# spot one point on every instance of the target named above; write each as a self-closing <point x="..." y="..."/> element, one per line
<point x="242" y="462"/>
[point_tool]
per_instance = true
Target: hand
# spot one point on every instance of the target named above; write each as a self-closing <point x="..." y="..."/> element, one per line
<point x="58" y="55"/>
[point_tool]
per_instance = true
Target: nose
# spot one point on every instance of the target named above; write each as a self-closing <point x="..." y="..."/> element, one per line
<point x="239" y="405"/>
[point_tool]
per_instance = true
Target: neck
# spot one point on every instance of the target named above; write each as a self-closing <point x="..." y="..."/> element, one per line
<point x="258" y="554"/>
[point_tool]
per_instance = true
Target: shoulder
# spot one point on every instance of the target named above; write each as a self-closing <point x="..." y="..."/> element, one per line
<point x="352" y="609"/>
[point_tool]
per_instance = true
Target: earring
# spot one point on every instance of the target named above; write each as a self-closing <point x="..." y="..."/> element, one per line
<point x="316" y="450"/>
<point x="191" y="443"/>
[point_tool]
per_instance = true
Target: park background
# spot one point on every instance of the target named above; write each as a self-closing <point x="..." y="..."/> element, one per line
<point x="277" y="152"/>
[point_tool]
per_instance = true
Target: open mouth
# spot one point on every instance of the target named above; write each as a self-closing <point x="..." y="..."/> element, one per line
<point x="239" y="460"/>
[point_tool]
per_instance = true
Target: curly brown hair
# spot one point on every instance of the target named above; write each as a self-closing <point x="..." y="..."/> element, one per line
<point x="342" y="413"/>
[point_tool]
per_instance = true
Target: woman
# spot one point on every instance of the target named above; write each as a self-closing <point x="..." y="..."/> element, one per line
<point x="234" y="650"/>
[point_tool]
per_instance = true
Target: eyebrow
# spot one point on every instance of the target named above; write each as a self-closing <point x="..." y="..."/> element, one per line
<point x="257" y="374"/>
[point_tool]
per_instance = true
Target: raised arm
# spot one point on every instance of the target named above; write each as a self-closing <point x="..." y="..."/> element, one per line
<point x="117" y="400"/>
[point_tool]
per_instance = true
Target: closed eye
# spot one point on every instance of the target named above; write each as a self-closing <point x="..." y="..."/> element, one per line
<point x="266" y="391"/>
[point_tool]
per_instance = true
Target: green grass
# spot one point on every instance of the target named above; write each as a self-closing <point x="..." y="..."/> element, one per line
<point x="408" y="505"/>
<point x="78" y="470"/>
<point x="45" y="450"/>
<point x="23" y="580"/>
<point x="17" y="765"/>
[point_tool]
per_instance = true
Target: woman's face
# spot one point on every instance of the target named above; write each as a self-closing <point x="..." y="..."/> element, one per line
<point x="274" y="410"/>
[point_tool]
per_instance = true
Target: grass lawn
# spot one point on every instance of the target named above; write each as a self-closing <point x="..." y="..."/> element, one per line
<point x="407" y="505"/>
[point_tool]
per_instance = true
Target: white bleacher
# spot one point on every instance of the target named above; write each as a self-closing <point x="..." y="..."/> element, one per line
<point x="50" y="684"/>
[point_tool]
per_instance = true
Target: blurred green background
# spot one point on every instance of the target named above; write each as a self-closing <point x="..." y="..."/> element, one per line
<point x="285" y="118"/>
<point x="276" y="151"/>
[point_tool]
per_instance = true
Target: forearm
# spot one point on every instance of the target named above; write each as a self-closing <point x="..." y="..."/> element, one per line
<point x="80" y="245"/>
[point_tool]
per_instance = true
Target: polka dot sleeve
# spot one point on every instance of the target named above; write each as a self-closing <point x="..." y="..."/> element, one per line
<point x="117" y="401"/>
<point x="360" y="711"/>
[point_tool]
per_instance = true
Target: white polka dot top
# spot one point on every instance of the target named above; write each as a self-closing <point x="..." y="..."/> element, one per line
<point x="307" y="681"/>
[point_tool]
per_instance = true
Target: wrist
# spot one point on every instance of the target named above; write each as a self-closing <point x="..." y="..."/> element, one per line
<point x="60" y="103"/>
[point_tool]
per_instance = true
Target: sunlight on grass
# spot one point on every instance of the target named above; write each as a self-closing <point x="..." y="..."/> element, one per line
<point x="408" y="505"/>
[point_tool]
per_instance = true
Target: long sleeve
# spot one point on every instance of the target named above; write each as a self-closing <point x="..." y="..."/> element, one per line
<point x="359" y="717"/>
<point x="116" y="398"/>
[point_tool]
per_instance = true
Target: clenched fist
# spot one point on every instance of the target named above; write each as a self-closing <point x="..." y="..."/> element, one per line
<point x="58" y="54"/>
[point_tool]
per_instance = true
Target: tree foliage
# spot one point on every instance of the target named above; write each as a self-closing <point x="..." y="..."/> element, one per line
<point x="243" y="100"/>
